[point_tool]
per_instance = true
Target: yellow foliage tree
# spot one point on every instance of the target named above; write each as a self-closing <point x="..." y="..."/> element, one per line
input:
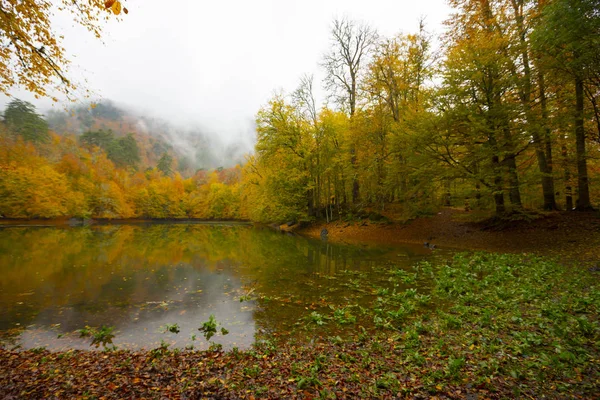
<point x="31" y="51"/>
<point x="35" y="193"/>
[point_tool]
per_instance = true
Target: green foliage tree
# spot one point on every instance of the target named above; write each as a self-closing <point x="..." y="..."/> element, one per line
<point x="282" y="156"/>
<point x="103" y="139"/>
<point x="568" y="36"/>
<point x="23" y="120"/>
<point x="124" y="151"/>
<point x="165" y="164"/>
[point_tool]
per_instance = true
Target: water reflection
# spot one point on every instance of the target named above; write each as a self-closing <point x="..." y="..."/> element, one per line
<point x="139" y="278"/>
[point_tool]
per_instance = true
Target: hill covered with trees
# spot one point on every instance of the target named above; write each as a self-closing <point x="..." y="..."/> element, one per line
<point x="95" y="163"/>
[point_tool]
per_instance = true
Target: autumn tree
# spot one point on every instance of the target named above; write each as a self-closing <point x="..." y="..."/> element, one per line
<point x="397" y="97"/>
<point x="304" y="102"/>
<point x="568" y="35"/>
<point x="525" y="71"/>
<point x="283" y="148"/>
<point x="477" y="82"/>
<point x="344" y="65"/>
<point x="33" y="55"/>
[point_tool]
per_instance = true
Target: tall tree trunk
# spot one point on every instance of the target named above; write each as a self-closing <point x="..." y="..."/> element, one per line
<point x="498" y="189"/>
<point x="310" y="197"/>
<point x="546" y="163"/>
<point x="567" y="179"/>
<point x="594" y="101"/>
<point x="447" y="194"/>
<point x="583" y="191"/>
<point x="525" y="94"/>
<point x="355" y="185"/>
<point x="497" y="174"/>
<point x="514" y="193"/>
<point x="341" y="191"/>
<point x="510" y="161"/>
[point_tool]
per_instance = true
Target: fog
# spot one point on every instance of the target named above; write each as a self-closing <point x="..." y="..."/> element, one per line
<point x="209" y="66"/>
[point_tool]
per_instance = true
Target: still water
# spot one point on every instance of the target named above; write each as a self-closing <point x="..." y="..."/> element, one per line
<point x="141" y="278"/>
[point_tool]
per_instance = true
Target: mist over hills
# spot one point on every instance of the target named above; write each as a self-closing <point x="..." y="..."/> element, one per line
<point x="193" y="147"/>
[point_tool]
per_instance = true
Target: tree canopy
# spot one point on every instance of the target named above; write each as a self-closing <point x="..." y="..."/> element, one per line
<point x="22" y="119"/>
<point x="33" y="55"/>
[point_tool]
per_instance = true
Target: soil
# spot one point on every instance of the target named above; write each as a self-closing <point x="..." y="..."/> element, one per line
<point x="570" y="236"/>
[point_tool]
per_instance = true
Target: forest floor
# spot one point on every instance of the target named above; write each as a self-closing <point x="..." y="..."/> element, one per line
<point x="570" y="236"/>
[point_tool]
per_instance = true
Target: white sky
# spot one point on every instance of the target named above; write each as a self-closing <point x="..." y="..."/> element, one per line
<point x="214" y="63"/>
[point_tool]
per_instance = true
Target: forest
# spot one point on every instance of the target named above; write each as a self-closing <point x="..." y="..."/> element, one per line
<point x="501" y="115"/>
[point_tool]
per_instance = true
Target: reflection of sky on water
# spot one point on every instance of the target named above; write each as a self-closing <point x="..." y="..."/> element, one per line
<point x="187" y="302"/>
<point x="54" y="281"/>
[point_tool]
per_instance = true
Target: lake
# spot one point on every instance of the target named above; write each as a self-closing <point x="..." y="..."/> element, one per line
<point x="149" y="280"/>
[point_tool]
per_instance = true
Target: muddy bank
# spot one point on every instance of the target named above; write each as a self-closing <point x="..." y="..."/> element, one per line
<point x="568" y="235"/>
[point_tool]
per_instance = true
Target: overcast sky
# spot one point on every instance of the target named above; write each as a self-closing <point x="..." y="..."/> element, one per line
<point x="214" y="63"/>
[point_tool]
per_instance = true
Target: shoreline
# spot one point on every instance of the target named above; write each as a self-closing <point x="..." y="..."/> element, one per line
<point x="75" y="222"/>
<point x="570" y="236"/>
<point x="575" y="235"/>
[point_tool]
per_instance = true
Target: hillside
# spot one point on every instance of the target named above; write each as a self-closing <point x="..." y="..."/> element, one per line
<point x="191" y="147"/>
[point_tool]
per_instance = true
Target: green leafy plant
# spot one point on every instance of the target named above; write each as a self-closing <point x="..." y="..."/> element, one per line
<point x="173" y="328"/>
<point x="100" y="336"/>
<point x="343" y="315"/>
<point x="317" y="318"/>
<point x="209" y="328"/>
<point x="160" y="350"/>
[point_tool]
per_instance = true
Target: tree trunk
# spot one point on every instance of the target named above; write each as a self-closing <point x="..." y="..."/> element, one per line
<point x="583" y="191"/>
<point x="543" y="165"/>
<point x="510" y="161"/>
<point x="448" y="194"/>
<point x="355" y="185"/>
<point x="545" y="161"/>
<point x="310" y="202"/>
<point x="514" y="193"/>
<point x="498" y="189"/>
<point x="567" y="180"/>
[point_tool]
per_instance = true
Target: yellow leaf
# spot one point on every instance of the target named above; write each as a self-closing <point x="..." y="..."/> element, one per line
<point x="109" y="3"/>
<point x="116" y="7"/>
